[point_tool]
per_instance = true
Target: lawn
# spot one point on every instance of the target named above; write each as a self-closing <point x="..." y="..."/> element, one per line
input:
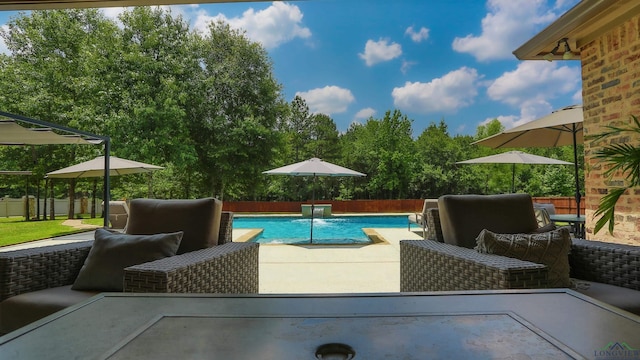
<point x="15" y="230"/>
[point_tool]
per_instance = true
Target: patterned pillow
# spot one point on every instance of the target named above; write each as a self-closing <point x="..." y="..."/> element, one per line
<point x="549" y="248"/>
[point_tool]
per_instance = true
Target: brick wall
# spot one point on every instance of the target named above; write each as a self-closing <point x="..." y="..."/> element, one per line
<point x="611" y="93"/>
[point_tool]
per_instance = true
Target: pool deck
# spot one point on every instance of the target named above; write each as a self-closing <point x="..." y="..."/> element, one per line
<point x="313" y="269"/>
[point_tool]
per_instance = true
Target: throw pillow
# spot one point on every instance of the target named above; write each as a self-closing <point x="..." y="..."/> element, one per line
<point x="112" y="252"/>
<point x="550" y="249"/>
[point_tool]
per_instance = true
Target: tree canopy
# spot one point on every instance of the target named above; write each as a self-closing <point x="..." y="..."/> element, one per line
<point x="207" y="107"/>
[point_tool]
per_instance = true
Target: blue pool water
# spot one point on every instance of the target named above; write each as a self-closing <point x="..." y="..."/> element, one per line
<point x="331" y="230"/>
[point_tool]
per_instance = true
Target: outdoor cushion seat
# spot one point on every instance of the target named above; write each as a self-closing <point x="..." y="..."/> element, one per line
<point x="36" y="282"/>
<point x="623" y="298"/>
<point x="23" y="309"/>
<point x="463" y="217"/>
<point x="610" y="270"/>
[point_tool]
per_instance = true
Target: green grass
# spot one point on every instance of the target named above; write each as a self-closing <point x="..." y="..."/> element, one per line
<point x="15" y="230"/>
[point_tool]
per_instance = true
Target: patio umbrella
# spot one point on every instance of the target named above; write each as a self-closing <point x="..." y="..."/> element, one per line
<point x="95" y="168"/>
<point x="513" y="158"/>
<point x="313" y="167"/>
<point x="561" y="127"/>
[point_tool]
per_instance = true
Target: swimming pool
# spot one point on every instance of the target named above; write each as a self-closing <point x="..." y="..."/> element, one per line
<point x="331" y="230"/>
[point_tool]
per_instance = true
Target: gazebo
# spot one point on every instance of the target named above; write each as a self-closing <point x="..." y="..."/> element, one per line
<point x="17" y="130"/>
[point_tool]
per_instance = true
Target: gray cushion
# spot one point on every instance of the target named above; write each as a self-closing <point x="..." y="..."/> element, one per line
<point x="623" y="298"/>
<point x="462" y="217"/>
<point x="199" y="219"/>
<point x="20" y="310"/>
<point x="550" y="249"/>
<point x="103" y="270"/>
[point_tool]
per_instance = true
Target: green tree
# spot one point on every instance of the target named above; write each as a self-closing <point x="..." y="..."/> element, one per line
<point x="384" y="150"/>
<point x="155" y="70"/>
<point x="233" y="123"/>
<point x="49" y="75"/>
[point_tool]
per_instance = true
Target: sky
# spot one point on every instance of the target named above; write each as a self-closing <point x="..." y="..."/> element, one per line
<point x="433" y="60"/>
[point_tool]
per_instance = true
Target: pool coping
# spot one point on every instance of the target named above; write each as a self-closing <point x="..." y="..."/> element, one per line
<point x="375" y="237"/>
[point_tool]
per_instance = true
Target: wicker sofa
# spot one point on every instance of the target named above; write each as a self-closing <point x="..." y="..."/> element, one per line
<point x="605" y="271"/>
<point x="36" y="282"/>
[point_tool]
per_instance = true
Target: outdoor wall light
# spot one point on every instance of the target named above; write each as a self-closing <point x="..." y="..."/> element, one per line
<point x="567" y="55"/>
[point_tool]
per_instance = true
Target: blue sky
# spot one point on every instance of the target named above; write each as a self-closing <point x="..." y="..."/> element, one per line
<point x="431" y="59"/>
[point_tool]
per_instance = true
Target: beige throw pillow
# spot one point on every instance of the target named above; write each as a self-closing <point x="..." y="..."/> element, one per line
<point x="112" y="252"/>
<point x="549" y="248"/>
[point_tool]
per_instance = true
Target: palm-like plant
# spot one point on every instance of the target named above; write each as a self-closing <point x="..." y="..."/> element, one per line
<point x="624" y="158"/>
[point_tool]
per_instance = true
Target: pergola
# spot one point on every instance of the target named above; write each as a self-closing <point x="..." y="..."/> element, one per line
<point x="17" y="130"/>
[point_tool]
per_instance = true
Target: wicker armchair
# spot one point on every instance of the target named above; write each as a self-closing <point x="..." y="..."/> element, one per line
<point x="226" y="268"/>
<point x="447" y="261"/>
<point x="427" y="265"/>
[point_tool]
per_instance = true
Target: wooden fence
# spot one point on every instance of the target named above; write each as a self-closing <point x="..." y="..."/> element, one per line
<point x="564" y="205"/>
<point x="16" y="207"/>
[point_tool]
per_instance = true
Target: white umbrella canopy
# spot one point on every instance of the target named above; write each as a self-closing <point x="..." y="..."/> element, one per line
<point x="561" y="127"/>
<point x="515" y="157"/>
<point x="95" y="168"/>
<point x="313" y="167"/>
<point x="555" y="129"/>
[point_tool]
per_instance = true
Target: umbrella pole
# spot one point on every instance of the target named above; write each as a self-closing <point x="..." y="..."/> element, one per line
<point x="513" y="178"/>
<point x="313" y="198"/>
<point x="575" y="164"/>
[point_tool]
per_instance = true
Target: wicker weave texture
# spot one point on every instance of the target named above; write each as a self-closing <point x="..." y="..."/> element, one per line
<point x="428" y="265"/>
<point x="231" y="268"/>
<point x="609" y="263"/>
<point x="431" y="266"/>
<point x="226" y="228"/>
<point x="40" y="268"/>
<point x="434" y="229"/>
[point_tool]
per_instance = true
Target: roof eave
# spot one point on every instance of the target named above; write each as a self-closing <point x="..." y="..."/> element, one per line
<point x="581" y="24"/>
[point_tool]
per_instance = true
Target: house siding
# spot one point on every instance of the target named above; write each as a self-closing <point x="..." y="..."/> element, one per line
<point x="611" y="94"/>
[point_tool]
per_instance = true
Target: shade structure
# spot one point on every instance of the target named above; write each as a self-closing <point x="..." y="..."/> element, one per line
<point x="561" y="127"/>
<point x="515" y="157"/>
<point x="39" y="132"/>
<point x="313" y="167"/>
<point x="95" y="168"/>
<point x="12" y="133"/>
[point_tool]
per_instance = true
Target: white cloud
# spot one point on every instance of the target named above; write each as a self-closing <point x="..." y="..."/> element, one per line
<point x="379" y="51"/>
<point x="327" y="100"/>
<point x="365" y="113"/>
<point x="417" y="36"/>
<point x="508" y="121"/>
<point x="406" y="65"/>
<point x="532" y="86"/>
<point x="449" y="93"/>
<point x="3" y="46"/>
<point x="507" y="26"/>
<point x="577" y="97"/>
<point x="113" y="13"/>
<point x="273" y="26"/>
<point x="535" y="81"/>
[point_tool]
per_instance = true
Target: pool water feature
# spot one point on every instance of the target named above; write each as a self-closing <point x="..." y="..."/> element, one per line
<point x="339" y="230"/>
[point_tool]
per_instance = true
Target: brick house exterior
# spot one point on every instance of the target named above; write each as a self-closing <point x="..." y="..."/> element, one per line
<point x="611" y="94"/>
<point x="607" y="36"/>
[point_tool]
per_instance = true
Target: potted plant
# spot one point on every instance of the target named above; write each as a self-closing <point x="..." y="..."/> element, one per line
<point x="622" y="157"/>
